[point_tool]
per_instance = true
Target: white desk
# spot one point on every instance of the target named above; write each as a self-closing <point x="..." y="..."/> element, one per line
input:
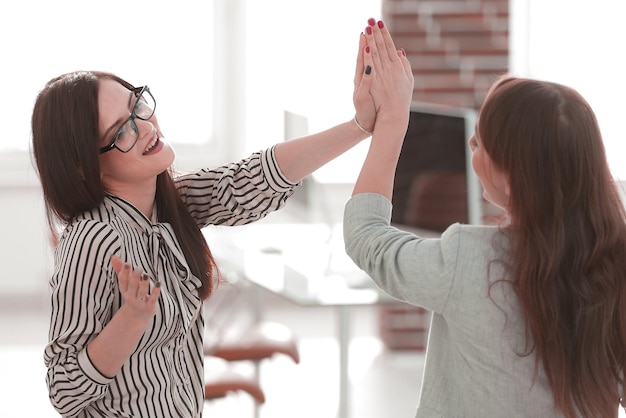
<point x="305" y="264"/>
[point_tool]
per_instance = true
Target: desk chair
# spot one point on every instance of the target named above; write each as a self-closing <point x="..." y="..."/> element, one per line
<point x="255" y="342"/>
<point x="220" y="383"/>
<point x="261" y="341"/>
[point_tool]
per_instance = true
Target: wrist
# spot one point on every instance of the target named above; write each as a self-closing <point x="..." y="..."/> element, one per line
<point x="362" y="128"/>
<point x="392" y="118"/>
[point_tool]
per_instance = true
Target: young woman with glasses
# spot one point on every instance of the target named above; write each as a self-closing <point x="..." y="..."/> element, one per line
<point x="131" y="265"/>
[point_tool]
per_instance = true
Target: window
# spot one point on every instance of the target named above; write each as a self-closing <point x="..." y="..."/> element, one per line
<point x="167" y="45"/>
<point x="301" y="57"/>
<point x="578" y="44"/>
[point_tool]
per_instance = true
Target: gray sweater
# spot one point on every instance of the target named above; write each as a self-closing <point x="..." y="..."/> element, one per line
<point x="474" y="362"/>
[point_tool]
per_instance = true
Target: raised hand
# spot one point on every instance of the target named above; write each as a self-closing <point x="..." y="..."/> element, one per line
<point x="390" y="82"/>
<point x="391" y="78"/>
<point x="136" y="290"/>
<point x="362" y="99"/>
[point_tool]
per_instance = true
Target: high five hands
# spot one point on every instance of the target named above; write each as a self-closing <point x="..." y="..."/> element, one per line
<point x="383" y="79"/>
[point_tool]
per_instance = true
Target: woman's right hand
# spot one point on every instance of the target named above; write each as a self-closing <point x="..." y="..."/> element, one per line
<point x="135" y="289"/>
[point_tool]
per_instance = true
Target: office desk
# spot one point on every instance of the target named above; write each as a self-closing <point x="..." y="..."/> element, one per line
<point x="306" y="264"/>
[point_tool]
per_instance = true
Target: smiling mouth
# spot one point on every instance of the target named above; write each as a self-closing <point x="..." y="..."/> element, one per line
<point x="152" y="145"/>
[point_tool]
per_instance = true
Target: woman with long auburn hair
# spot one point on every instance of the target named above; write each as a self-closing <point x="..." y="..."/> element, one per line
<point x="529" y="317"/>
<point x="131" y="264"/>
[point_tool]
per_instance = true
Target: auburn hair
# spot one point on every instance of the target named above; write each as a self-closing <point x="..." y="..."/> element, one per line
<point x="65" y="141"/>
<point x="568" y="257"/>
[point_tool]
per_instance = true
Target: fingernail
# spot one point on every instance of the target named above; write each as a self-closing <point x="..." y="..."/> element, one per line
<point x="126" y="266"/>
<point x="158" y="284"/>
<point x="144" y="276"/>
<point x="367" y="49"/>
<point x="371" y="21"/>
<point x="368" y="69"/>
<point x="403" y="51"/>
<point x="368" y="30"/>
<point x="381" y="24"/>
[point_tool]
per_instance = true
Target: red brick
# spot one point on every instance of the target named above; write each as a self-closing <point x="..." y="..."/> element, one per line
<point x="455" y="64"/>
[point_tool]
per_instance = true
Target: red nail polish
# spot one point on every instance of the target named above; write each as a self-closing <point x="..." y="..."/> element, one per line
<point x="381" y="24"/>
<point x="371" y="21"/>
<point x="367" y="49"/>
<point x="368" y="30"/>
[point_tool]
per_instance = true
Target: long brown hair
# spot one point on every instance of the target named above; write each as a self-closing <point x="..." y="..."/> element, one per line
<point x="65" y="147"/>
<point x="568" y="258"/>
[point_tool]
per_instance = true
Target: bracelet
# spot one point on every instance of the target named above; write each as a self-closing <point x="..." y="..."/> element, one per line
<point x="360" y="127"/>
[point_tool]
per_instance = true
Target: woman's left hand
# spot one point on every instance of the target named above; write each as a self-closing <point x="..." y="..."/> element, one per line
<point x="363" y="102"/>
<point x="391" y="79"/>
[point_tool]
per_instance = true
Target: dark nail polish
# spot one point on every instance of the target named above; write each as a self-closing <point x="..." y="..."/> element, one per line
<point x="368" y="69"/>
<point x="144" y="276"/>
<point x="158" y="284"/>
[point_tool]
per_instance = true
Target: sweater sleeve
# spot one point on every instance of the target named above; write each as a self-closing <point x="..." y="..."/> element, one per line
<point x="417" y="270"/>
<point x="237" y="193"/>
<point x="82" y="294"/>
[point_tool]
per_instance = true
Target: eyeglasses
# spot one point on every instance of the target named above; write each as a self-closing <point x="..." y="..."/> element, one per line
<point x="127" y="135"/>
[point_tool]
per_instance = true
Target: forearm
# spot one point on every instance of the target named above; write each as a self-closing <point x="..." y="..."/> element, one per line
<point x="116" y="342"/>
<point x="378" y="171"/>
<point x="300" y="157"/>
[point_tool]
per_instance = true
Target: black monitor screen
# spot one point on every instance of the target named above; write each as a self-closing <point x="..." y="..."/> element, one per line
<point x="431" y="187"/>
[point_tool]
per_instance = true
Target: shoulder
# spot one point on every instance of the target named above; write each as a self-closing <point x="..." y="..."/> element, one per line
<point x="84" y="237"/>
<point x="473" y="248"/>
<point x="91" y="227"/>
<point x="474" y="237"/>
<point x="473" y="232"/>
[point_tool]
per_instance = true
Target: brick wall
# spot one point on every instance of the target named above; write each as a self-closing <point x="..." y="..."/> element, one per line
<point x="456" y="47"/>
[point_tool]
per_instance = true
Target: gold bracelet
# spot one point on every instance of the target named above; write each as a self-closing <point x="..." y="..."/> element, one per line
<point x="360" y="127"/>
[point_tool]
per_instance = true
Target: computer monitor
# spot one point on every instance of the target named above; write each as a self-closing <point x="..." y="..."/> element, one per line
<point x="435" y="185"/>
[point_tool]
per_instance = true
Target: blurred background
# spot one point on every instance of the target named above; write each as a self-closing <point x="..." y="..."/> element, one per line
<point x="225" y="74"/>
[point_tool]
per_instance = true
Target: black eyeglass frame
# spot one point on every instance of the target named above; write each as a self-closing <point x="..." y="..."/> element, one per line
<point x="138" y="91"/>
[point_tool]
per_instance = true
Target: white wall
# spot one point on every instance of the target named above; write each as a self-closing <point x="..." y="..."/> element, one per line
<point x="301" y="58"/>
<point x="25" y="247"/>
<point x="578" y="43"/>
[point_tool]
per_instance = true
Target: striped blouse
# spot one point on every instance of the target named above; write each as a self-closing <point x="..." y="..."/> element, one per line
<point x="164" y="375"/>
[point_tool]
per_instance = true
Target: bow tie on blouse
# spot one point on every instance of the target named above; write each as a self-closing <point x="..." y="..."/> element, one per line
<point x="167" y="261"/>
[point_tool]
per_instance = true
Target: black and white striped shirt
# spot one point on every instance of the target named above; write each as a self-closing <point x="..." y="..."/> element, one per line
<point x="164" y="376"/>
